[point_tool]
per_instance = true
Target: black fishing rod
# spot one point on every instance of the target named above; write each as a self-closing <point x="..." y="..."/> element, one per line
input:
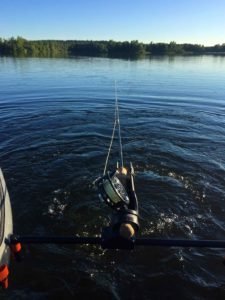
<point x="115" y="242"/>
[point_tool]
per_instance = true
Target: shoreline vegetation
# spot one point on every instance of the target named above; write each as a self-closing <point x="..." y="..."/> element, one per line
<point x="20" y="47"/>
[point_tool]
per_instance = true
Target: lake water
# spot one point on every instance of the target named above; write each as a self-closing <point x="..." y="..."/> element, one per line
<point x="56" y="119"/>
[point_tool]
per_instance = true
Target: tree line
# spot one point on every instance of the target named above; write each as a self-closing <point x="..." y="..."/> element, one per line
<point x="58" y="48"/>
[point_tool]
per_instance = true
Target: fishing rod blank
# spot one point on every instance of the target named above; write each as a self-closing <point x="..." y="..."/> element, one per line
<point x="182" y="243"/>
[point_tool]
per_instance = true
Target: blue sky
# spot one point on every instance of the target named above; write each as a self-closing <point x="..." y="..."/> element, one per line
<point x="193" y="21"/>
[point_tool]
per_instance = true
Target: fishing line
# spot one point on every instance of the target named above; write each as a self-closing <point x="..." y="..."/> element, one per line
<point x="116" y="123"/>
<point x="110" y="145"/>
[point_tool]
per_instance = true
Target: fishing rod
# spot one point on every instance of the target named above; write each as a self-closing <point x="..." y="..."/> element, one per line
<point x="118" y="242"/>
<point x="115" y="188"/>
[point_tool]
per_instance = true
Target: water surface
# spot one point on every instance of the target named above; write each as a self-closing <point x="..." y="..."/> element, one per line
<point x="56" y="119"/>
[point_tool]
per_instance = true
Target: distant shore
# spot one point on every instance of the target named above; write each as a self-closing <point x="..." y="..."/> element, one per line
<point x="20" y="47"/>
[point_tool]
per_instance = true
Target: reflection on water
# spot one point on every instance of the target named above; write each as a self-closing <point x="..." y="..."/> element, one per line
<point x="56" y="121"/>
